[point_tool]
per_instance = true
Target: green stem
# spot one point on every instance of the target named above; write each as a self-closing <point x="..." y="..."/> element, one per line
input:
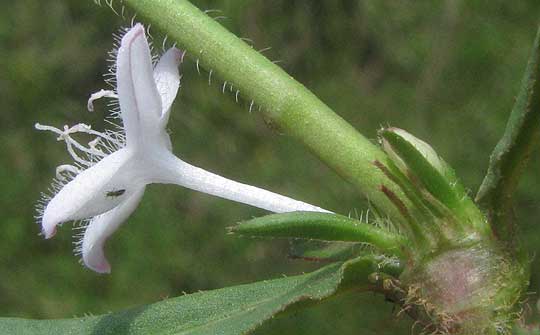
<point x="287" y="103"/>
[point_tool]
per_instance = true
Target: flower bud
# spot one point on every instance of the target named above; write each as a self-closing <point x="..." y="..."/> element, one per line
<point x="430" y="176"/>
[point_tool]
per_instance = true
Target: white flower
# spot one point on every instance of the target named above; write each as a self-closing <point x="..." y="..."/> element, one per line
<point x="110" y="174"/>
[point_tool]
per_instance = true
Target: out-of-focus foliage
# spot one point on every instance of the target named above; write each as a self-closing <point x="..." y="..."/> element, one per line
<point x="446" y="71"/>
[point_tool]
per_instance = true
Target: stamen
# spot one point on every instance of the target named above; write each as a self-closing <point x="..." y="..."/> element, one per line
<point x="81" y="128"/>
<point x="98" y="95"/>
<point x="112" y="137"/>
<point x="92" y="152"/>
<point x="93" y="144"/>
<point x="66" y="168"/>
<point x="63" y="136"/>
<point x="76" y="157"/>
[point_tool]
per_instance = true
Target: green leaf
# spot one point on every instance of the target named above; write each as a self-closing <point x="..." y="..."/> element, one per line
<point x="321" y="226"/>
<point x="313" y="250"/>
<point x="511" y="154"/>
<point x="228" y="311"/>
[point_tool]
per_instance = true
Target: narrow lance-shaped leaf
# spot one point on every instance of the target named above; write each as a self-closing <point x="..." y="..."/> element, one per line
<point x="324" y="251"/>
<point x="228" y="311"/>
<point x="511" y="154"/>
<point x="321" y="226"/>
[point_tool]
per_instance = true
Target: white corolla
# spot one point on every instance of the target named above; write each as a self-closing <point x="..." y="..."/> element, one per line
<point x="109" y="176"/>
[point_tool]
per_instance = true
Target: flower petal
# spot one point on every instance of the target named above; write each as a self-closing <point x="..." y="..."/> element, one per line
<point x="140" y="102"/>
<point x="92" y="192"/>
<point x="173" y="170"/>
<point x="167" y="78"/>
<point x="102" y="227"/>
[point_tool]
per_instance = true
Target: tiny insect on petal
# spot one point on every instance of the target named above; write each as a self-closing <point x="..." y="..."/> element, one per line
<point x="116" y="193"/>
<point x="85" y="196"/>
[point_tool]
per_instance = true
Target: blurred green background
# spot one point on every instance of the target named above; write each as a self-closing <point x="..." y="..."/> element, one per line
<point x="447" y="71"/>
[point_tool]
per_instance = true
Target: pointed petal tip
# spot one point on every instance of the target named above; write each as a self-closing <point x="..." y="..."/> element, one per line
<point x="178" y="54"/>
<point x="136" y="31"/>
<point x="97" y="262"/>
<point x="48" y="225"/>
<point x="140" y="103"/>
<point x="138" y="26"/>
<point x="49" y="233"/>
<point x="101" y="228"/>
<point x="93" y="255"/>
<point x="171" y="59"/>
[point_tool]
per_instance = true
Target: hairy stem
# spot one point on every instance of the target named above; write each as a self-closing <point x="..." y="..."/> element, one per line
<point x="287" y="103"/>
